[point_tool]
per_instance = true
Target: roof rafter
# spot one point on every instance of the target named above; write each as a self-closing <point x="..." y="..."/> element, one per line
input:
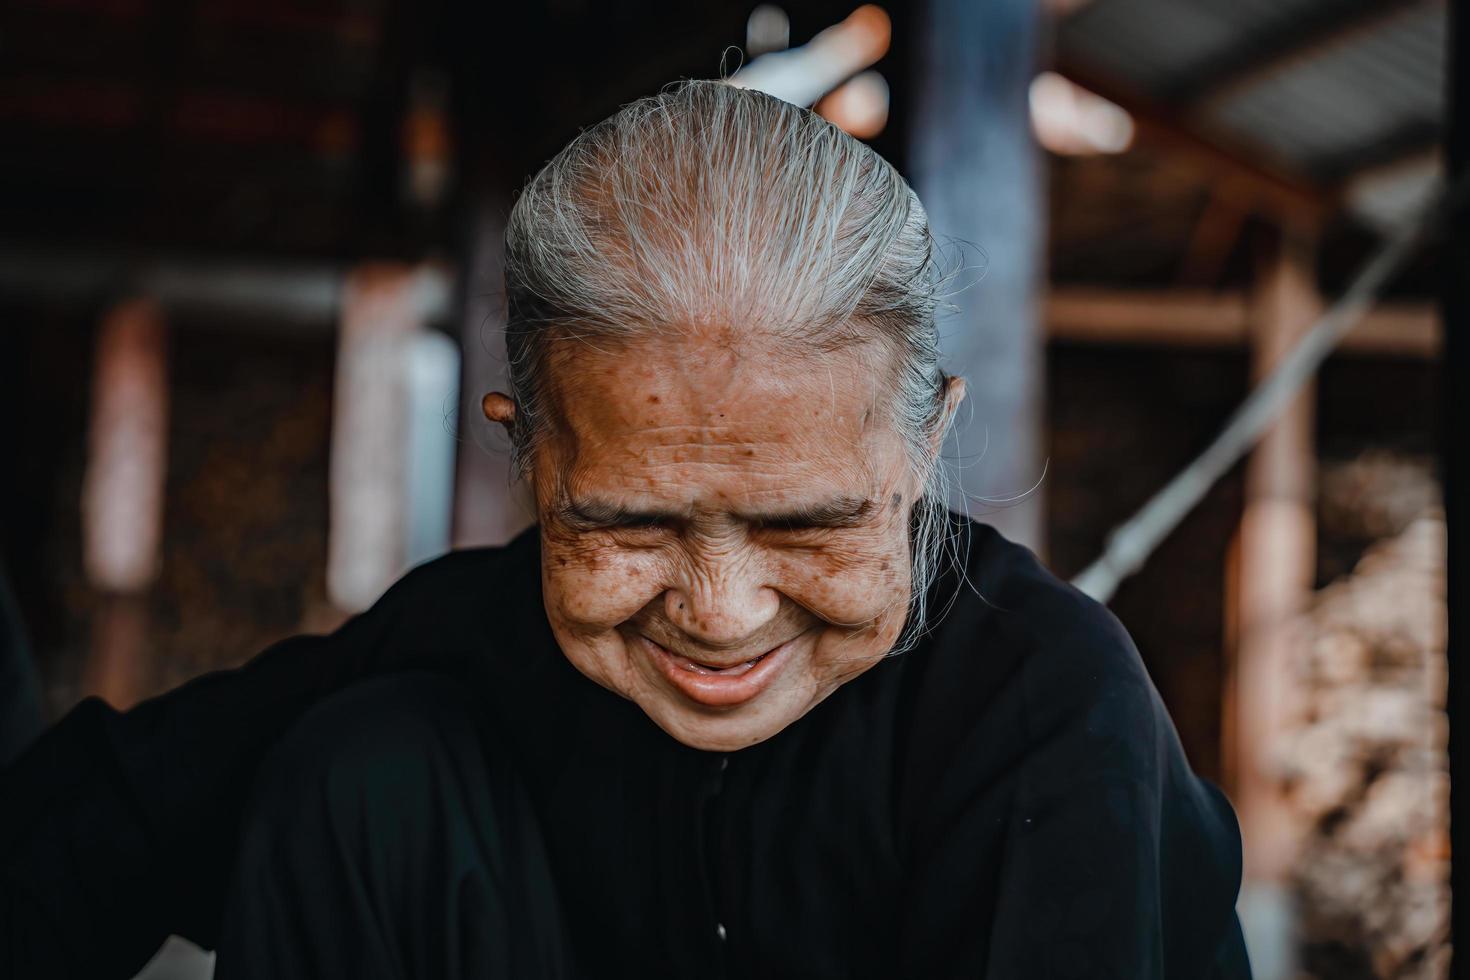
<point x="1282" y="195"/>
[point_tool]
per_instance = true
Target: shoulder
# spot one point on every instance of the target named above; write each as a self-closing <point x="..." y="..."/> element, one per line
<point x="455" y="600"/>
<point x="1032" y="695"/>
<point x="1019" y="649"/>
<point x="377" y="727"/>
<point x="466" y="573"/>
<point x="1038" y="725"/>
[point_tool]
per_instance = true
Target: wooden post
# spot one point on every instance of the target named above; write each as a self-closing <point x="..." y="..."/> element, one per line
<point x="392" y="459"/>
<point x="1274" y="571"/>
<point x="122" y="495"/>
<point x="367" y="481"/>
<point x="1455" y="299"/>
<point x="975" y="165"/>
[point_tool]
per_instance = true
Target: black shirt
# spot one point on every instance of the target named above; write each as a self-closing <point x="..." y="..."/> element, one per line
<point x="1009" y="799"/>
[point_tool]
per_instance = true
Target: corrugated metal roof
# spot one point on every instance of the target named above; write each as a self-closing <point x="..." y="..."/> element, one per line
<point x="1323" y="111"/>
<point x="1155" y="43"/>
<point x="1348" y="98"/>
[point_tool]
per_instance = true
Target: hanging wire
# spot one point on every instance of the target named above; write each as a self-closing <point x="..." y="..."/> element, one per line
<point x="1131" y="543"/>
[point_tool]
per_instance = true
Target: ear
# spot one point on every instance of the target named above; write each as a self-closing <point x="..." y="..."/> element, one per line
<point x="500" y="408"/>
<point x="954" y="394"/>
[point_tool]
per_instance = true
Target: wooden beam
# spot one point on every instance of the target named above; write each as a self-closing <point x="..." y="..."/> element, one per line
<point x="1213" y="239"/>
<point x="1402" y="328"/>
<point x="1199" y="318"/>
<point x="283" y="297"/>
<point x="1185" y="318"/>
<point x="1275" y="191"/>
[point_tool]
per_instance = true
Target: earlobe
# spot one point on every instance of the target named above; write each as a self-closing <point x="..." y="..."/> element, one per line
<point x="500" y="408"/>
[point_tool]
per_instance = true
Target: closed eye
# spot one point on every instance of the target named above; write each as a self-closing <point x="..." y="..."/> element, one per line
<point x="790" y="525"/>
<point x="638" y="522"/>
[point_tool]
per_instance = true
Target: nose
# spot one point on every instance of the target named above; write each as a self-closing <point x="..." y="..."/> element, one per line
<point x="722" y="603"/>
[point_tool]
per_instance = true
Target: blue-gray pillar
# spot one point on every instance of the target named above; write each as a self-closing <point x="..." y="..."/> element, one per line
<point x="974" y="163"/>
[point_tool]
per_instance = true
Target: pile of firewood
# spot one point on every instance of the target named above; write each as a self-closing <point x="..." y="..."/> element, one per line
<point x="1365" y="766"/>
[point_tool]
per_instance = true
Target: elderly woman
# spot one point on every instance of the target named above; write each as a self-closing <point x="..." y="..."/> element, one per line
<point x="748" y="702"/>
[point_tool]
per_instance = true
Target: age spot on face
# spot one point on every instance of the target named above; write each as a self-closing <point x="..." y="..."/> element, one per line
<point x="655" y="428"/>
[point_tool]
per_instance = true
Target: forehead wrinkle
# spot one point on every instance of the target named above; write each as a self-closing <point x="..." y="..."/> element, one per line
<point x="670" y="472"/>
<point x="689" y="434"/>
<point x="600" y="418"/>
<point x="727" y="457"/>
<point x="686" y="463"/>
<point x="673" y="437"/>
<point x="715" y="477"/>
<point x="740" y="501"/>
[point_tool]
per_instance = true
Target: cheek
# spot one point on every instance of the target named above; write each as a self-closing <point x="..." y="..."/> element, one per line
<point x="855" y="584"/>
<point x="597" y="587"/>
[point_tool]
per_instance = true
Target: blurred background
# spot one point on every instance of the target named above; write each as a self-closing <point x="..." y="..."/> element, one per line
<point x="250" y="287"/>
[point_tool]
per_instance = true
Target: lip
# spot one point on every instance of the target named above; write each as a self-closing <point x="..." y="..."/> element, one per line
<point x="717" y="689"/>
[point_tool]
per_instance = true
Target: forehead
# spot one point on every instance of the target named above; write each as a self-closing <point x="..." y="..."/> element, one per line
<point x="687" y="413"/>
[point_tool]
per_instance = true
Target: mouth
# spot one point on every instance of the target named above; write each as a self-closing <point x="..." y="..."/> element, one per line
<point x="701" y="667"/>
<point x="717" y="684"/>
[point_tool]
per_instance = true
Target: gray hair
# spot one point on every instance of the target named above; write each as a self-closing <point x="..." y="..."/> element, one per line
<point x="709" y="202"/>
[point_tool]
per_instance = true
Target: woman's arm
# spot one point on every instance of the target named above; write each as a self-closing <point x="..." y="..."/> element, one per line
<point x="118" y="829"/>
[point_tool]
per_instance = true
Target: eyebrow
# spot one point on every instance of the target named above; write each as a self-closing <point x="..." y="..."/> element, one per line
<point x="839" y="512"/>
<point x="591" y="514"/>
<point x="836" y="513"/>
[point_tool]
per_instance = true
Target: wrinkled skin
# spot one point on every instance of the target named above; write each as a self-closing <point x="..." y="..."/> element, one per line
<point x="720" y="500"/>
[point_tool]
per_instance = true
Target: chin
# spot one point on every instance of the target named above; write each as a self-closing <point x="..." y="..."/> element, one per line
<point x="721" y="710"/>
<point x="734" y="727"/>
<point x="726" y="731"/>
<point x="714" y="711"/>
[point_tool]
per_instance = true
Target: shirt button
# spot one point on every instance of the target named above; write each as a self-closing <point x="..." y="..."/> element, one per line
<point x="724" y="763"/>
<point x="720" y="931"/>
